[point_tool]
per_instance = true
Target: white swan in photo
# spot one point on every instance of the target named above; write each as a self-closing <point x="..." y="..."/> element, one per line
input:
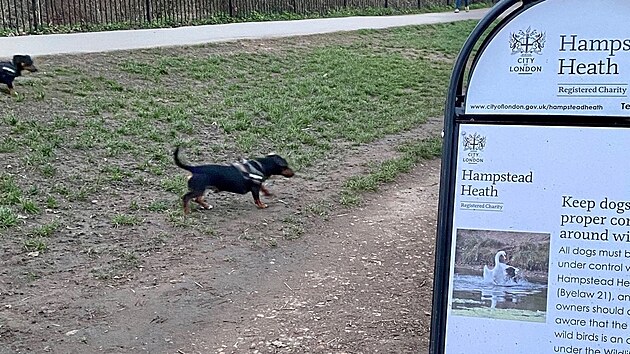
<point x="501" y="274"/>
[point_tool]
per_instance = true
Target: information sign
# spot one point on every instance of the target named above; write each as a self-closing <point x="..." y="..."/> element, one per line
<point x="533" y="252"/>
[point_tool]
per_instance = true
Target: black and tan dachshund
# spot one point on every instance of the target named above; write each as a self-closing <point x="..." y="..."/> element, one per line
<point x="241" y="178"/>
<point x="10" y="70"/>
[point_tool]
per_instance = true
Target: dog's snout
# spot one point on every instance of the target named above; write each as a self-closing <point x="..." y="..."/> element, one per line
<point x="287" y="172"/>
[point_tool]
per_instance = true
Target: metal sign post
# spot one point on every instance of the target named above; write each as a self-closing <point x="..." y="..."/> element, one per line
<point x="533" y="250"/>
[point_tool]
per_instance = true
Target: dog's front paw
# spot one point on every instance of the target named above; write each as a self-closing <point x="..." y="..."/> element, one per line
<point x="260" y="204"/>
<point x="266" y="192"/>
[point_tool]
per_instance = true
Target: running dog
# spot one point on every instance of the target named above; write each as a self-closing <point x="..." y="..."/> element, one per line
<point x="10" y="70"/>
<point x="246" y="176"/>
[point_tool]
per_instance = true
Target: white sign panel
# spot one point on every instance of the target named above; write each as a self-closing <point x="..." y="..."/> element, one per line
<point x="540" y="261"/>
<point x="559" y="57"/>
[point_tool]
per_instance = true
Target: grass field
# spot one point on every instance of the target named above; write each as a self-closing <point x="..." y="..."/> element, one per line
<point x="95" y="128"/>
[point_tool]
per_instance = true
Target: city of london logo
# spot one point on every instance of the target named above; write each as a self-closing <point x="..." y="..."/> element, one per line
<point x="473" y="146"/>
<point x="526" y="43"/>
<point x="474" y="141"/>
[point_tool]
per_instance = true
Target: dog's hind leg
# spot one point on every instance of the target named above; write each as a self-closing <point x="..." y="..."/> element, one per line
<point x="188" y="197"/>
<point x="200" y="201"/>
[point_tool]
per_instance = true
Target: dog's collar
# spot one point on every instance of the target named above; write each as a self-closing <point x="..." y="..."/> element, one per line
<point x="251" y="172"/>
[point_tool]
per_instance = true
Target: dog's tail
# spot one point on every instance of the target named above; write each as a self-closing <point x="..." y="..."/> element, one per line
<point x="179" y="163"/>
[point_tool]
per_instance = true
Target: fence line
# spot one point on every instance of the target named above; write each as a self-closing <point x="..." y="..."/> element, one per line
<point x="34" y="16"/>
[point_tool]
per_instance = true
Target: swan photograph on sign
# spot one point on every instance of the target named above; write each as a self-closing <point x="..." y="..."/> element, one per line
<point x="501" y="275"/>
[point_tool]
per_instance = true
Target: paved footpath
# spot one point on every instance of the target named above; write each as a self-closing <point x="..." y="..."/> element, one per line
<point x="148" y="38"/>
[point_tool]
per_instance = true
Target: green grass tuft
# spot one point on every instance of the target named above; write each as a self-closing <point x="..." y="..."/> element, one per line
<point x="35" y="244"/>
<point x="125" y="220"/>
<point x="293" y="228"/>
<point x="7" y="217"/>
<point x="29" y="206"/>
<point x="387" y="171"/>
<point x="46" y="230"/>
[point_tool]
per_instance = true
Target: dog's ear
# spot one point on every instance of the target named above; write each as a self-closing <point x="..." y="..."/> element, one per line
<point x="279" y="160"/>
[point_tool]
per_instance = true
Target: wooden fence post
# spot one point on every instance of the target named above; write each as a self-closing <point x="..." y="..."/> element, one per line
<point x="35" y="19"/>
<point x="148" y="10"/>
